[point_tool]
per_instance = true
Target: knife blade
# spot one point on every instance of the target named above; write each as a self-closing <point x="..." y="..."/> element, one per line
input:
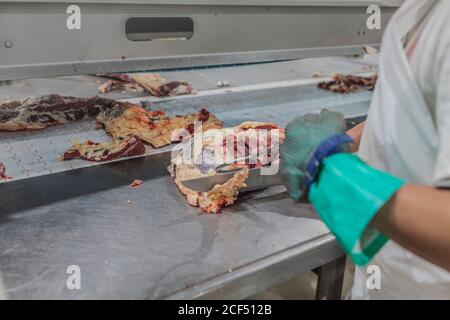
<point x="255" y="181"/>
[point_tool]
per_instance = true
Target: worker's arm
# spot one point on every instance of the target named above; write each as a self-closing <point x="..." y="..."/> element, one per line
<point x="403" y="220"/>
<point x="362" y="206"/>
<point x="356" y="133"/>
<point x="418" y="218"/>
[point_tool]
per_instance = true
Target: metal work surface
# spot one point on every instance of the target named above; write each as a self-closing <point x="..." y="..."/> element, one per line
<point x="147" y="242"/>
<point x="219" y="34"/>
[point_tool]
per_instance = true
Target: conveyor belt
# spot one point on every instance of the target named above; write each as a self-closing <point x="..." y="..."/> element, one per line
<point x="29" y="154"/>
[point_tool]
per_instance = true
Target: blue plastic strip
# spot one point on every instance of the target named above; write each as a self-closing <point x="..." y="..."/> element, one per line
<point x="326" y="148"/>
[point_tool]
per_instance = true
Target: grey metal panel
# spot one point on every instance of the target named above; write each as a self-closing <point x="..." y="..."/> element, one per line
<point x="393" y="3"/>
<point x="201" y="79"/>
<point x="48" y="70"/>
<point x="35" y="41"/>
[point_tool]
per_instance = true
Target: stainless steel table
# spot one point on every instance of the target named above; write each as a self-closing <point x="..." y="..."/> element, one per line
<point x="148" y="243"/>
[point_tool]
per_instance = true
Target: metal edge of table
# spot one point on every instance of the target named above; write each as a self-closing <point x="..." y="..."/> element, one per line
<point x="21" y="194"/>
<point x="18" y="72"/>
<point x="262" y="274"/>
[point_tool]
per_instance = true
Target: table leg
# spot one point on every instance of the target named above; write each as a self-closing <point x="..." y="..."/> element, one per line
<point x="330" y="280"/>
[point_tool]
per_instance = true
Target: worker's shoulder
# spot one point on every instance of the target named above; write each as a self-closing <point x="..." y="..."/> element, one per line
<point x="442" y="13"/>
<point x="438" y="30"/>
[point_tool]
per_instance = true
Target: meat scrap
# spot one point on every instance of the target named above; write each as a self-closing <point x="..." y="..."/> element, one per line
<point x="39" y="113"/>
<point x="130" y="126"/>
<point x="154" y="84"/>
<point x="136" y="183"/>
<point x="348" y="83"/>
<point x="154" y="126"/>
<point x="160" y="87"/>
<point x="122" y="147"/>
<point x="2" y="171"/>
<point x="120" y="85"/>
<point x="225" y="194"/>
<point x="116" y="76"/>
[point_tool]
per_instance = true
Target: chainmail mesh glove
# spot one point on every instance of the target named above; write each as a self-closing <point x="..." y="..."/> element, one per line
<point x="303" y="136"/>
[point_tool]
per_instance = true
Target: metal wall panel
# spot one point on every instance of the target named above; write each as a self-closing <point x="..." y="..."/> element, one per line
<point x="35" y="42"/>
<point x="232" y="2"/>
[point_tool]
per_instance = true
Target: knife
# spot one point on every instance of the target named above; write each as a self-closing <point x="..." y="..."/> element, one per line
<point x="255" y="181"/>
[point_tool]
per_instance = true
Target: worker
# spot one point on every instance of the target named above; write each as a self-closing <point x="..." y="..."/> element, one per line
<point x="395" y="186"/>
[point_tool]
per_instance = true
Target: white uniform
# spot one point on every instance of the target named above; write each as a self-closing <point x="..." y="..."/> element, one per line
<point x="408" y="135"/>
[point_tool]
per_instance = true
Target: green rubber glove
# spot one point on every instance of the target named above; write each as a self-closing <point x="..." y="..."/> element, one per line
<point x="345" y="191"/>
<point x="347" y="195"/>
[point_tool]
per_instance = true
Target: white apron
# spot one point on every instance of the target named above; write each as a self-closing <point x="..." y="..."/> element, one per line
<point x="401" y="138"/>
